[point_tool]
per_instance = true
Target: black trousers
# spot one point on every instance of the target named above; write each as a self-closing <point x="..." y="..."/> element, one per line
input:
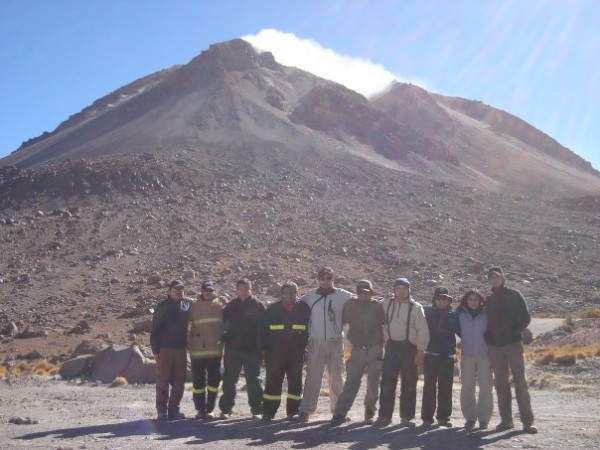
<point x="279" y="365"/>
<point x="205" y="394"/>
<point x="439" y="377"/>
<point x="233" y="361"/>
<point x="399" y="360"/>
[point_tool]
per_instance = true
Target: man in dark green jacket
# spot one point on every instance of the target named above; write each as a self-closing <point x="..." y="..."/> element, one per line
<point x="366" y="317"/>
<point x="508" y="317"/>
<point x="243" y="317"/>
<point x="168" y="340"/>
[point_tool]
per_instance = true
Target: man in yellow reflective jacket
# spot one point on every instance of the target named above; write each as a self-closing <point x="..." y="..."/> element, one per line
<point x="206" y="349"/>
<point x="285" y="334"/>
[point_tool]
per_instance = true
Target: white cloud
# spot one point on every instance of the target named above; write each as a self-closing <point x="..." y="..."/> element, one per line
<point x="358" y="74"/>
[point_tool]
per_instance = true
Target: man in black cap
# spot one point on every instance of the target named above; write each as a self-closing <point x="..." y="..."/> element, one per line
<point x="365" y="317"/>
<point x="407" y="336"/>
<point x="168" y="340"/>
<point x="206" y="349"/>
<point x="508" y="316"/>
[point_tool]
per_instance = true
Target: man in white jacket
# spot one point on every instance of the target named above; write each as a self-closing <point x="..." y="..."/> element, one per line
<point x="407" y="336"/>
<point x="325" y="346"/>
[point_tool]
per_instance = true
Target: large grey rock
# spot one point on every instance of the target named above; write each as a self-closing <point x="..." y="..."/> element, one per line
<point x="76" y="367"/>
<point x="11" y="329"/>
<point x="120" y="360"/>
<point x="88" y="347"/>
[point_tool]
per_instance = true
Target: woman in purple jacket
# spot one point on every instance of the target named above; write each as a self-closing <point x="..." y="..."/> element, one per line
<point x="475" y="365"/>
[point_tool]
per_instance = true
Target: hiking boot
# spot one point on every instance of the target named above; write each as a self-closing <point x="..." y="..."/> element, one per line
<point x="339" y="419"/>
<point x="369" y="414"/>
<point x="267" y="417"/>
<point x="176" y="415"/>
<point x="427" y="423"/>
<point x="470" y="424"/>
<point x="444" y="423"/>
<point x="530" y="429"/>
<point x="483" y="425"/>
<point x="382" y="422"/>
<point x="161" y="416"/>
<point x="303" y="417"/>
<point x="404" y="422"/>
<point x="505" y="425"/>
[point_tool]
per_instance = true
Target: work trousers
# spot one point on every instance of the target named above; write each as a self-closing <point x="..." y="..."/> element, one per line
<point x="369" y="358"/>
<point x="504" y="358"/>
<point x="279" y="365"/>
<point x="205" y="394"/>
<point x="399" y="359"/>
<point x="476" y="371"/>
<point x="321" y="353"/>
<point x="233" y="362"/>
<point x="438" y="372"/>
<point x="171" y="369"/>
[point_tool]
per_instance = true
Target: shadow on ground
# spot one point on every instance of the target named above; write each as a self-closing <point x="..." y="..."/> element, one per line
<point x="357" y="436"/>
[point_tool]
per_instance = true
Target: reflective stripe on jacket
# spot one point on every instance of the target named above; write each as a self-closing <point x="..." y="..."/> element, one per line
<point x="286" y="331"/>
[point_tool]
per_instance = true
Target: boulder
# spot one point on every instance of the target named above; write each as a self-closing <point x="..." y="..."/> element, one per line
<point x="154" y="279"/>
<point x="81" y="328"/>
<point x="28" y="333"/>
<point x="10" y="330"/>
<point x="76" y="367"/>
<point x="189" y="274"/>
<point x="88" y="347"/>
<point x="127" y="362"/>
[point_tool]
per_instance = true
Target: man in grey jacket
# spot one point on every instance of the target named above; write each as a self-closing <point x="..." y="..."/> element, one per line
<point x="325" y="345"/>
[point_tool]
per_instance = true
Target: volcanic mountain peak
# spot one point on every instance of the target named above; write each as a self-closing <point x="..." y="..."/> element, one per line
<point x="415" y="107"/>
<point x="233" y="97"/>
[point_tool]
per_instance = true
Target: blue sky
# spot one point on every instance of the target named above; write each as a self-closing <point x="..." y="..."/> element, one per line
<point x="537" y="59"/>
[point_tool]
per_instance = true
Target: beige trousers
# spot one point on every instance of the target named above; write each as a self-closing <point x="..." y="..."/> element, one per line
<point x="323" y="353"/>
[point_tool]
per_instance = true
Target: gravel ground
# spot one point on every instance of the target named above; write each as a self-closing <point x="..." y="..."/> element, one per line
<point x="80" y="415"/>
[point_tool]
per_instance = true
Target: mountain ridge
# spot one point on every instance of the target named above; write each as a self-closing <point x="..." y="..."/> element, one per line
<point x="231" y="94"/>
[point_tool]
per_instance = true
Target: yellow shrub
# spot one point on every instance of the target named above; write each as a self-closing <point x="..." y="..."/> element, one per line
<point x="43" y="365"/>
<point x="119" y="381"/>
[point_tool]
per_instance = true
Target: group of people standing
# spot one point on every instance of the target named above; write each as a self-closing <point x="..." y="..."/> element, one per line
<point x="390" y="339"/>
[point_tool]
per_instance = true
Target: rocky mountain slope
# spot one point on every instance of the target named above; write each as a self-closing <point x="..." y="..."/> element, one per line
<point x="97" y="241"/>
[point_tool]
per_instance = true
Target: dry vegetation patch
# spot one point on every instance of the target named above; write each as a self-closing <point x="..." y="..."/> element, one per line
<point x="563" y="355"/>
<point x="41" y="367"/>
